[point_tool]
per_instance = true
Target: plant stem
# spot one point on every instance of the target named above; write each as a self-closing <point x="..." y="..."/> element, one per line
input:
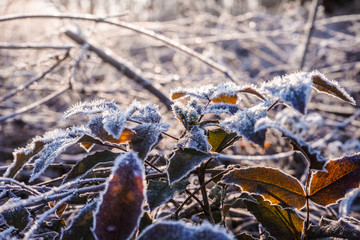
<point x="201" y="177"/>
<point x="307" y="221"/>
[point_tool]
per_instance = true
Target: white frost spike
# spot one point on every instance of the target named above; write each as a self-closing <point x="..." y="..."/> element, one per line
<point x="147" y="114"/>
<point x="294" y="89"/>
<point x="114" y="122"/>
<point x="322" y="84"/>
<point x="93" y="107"/>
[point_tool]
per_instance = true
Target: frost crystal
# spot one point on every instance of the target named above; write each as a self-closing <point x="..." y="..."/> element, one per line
<point x="195" y="139"/>
<point x="147" y="114"/>
<point x="188" y="114"/>
<point x="220" y="108"/>
<point x="93" y="107"/>
<point x="243" y="123"/>
<point x="179" y="230"/>
<point x="293" y="89"/>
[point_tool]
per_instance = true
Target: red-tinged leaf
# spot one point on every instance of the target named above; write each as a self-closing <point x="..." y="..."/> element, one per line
<point x="341" y="176"/>
<point x="177" y="95"/>
<point x="159" y="192"/>
<point x="21" y="157"/>
<point x="120" y="206"/>
<point x="283" y="224"/>
<point x="331" y="87"/>
<point x="276" y="186"/>
<point x="224" y="98"/>
<point x="166" y="230"/>
<point x="183" y="161"/>
<point x="84" y="166"/>
<point x="80" y="226"/>
<point x="219" y="139"/>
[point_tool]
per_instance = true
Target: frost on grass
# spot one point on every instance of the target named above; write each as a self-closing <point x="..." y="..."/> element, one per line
<point x="17" y="217"/>
<point x="119" y="208"/>
<point x="294" y="89"/>
<point x="164" y="230"/>
<point x="316" y="160"/>
<point x="8" y="234"/>
<point x="188" y="114"/>
<point x="195" y="139"/>
<point x="220" y="108"/>
<point x="243" y="123"/>
<point x="148" y="136"/>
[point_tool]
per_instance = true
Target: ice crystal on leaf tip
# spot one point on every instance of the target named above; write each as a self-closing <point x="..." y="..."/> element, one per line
<point x="243" y="123"/>
<point x="188" y="114"/>
<point x="164" y="230"/>
<point x="294" y="89"/>
<point x="147" y="114"/>
<point x="93" y="107"/>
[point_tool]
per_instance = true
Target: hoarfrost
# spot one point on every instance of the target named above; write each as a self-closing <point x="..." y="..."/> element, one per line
<point x="188" y="114"/>
<point x="92" y="107"/>
<point x="163" y="230"/>
<point x="7" y="234"/>
<point x="195" y="139"/>
<point x="294" y="89"/>
<point x="147" y="114"/>
<point x="243" y="123"/>
<point x="220" y="108"/>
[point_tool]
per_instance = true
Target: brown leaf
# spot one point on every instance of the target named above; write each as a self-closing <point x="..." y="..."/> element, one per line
<point x="342" y="176"/>
<point x="273" y="184"/>
<point x="252" y="91"/>
<point x="322" y="84"/>
<point x="177" y="95"/>
<point x="224" y="98"/>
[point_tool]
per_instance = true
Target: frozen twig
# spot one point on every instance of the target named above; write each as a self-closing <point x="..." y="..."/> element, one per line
<point x="134" y="28"/>
<point x="22" y="185"/>
<point x="35" y="104"/>
<point x="235" y="158"/>
<point x="31" y="81"/>
<point x="121" y="65"/>
<point x="33" y="46"/>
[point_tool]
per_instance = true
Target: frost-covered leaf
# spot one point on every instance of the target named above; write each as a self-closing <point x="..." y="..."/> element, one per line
<point x="183" y="161"/>
<point x="220" y="108"/>
<point x="283" y="224"/>
<point x="120" y="206"/>
<point x="275" y="185"/>
<point x="188" y="114"/>
<point x="84" y="166"/>
<point x="8" y="234"/>
<point x="80" y="226"/>
<point x="341" y="176"/>
<point x="159" y="192"/>
<point x="166" y="230"/>
<point x="322" y="84"/>
<point x="58" y="141"/>
<point x="219" y="139"/>
<point x="18" y="217"/>
<point x="243" y="123"/>
<point x="46" y="148"/>
<point x="147" y="114"/>
<point x="195" y="139"/>
<point x="344" y="228"/>
<point x="147" y="136"/>
<point x="317" y="161"/>
<point x="294" y="89"/>
<point x="86" y="108"/>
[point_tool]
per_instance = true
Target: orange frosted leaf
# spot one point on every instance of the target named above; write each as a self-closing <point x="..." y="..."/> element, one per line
<point x="276" y="186"/>
<point x="177" y="95"/>
<point x="225" y="98"/>
<point x="341" y="176"/>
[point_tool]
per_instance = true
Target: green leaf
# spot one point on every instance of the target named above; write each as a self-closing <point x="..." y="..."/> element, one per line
<point x="84" y="166"/>
<point x="80" y="225"/>
<point x="183" y="161"/>
<point x="219" y="139"/>
<point x="283" y="224"/>
<point x="159" y="192"/>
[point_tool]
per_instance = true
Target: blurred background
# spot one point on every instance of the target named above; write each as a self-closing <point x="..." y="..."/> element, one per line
<point x="43" y="71"/>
